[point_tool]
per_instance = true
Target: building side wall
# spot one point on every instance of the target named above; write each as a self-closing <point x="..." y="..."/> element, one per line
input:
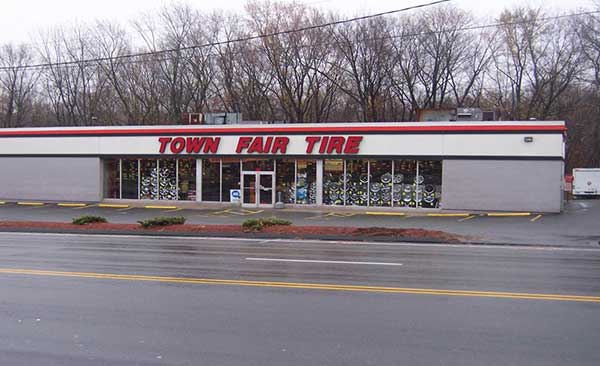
<point x="502" y="185"/>
<point x="50" y="179"/>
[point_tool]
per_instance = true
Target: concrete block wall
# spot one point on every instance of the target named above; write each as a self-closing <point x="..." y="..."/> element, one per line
<point x="503" y="185"/>
<point x="51" y="178"/>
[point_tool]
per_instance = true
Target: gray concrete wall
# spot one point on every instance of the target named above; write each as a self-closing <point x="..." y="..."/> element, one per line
<point x="502" y="185"/>
<point x="50" y="178"/>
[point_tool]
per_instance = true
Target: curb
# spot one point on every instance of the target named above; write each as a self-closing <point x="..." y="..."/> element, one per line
<point x="266" y="236"/>
<point x="252" y="235"/>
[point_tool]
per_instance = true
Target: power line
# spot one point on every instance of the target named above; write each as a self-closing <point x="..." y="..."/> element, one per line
<point x="219" y="43"/>
<point x="70" y="64"/>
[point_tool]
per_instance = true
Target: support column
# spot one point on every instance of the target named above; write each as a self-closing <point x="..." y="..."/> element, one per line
<point x="320" y="182"/>
<point x="198" y="180"/>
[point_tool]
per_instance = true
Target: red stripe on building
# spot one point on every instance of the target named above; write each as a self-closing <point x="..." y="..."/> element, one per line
<point x="267" y="130"/>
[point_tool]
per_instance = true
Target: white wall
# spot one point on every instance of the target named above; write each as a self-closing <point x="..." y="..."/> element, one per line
<point x="502" y="185"/>
<point x="50" y="179"/>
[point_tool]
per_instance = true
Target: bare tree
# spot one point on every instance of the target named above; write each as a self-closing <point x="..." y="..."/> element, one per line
<point x="17" y="84"/>
<point x="77" y="90"/>
<point x="430" y="52"/>
<point x="366" y="51"/>
<point x="298" y="60"/>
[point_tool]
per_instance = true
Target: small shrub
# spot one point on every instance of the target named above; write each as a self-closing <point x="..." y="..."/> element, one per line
<point x="253" y="224"/>
<point x="88" y="219"/>
<point x="259" y="224"/>
<point x="162" y="221"/>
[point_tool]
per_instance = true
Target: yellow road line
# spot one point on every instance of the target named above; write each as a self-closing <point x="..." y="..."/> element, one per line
<point x="467" y="218"/>
<point x="508" y="214"/>
<point x="30" y="203"/>
<point x="2" y="202"/>
<point x="71" y="204"/>
<point x="308" y="286"/>
<point x="448" y="214"/>
<point x="375" y="213"/>
<point x="110" y="205"/>
<point x="160" y="207"/>
<point x="536" y="218"/>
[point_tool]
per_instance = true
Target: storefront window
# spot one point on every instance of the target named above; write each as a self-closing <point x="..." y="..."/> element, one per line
<point x="430" y="186"/>
<point x="187" y="179"/>
<point x="231" y="177"/>
<point x="167" y="179"/>
<point x="376" y="183"/>
<point x="380" y="185"/>
<point x="148" y="179"/>
<point x="112" y="183"/>
<point x="130" y="184"/>
<point x="258" y="165"/>
<point x="333" y="182"/>
<point x="405" y="184"/>
<point x="211" y="180"/>
<point x="286" y="180"/>
<point x="357" y="178"/>
<point x="306" y="192"/>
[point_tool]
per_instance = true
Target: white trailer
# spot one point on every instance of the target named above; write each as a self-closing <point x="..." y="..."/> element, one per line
<point x="586" y="182"/>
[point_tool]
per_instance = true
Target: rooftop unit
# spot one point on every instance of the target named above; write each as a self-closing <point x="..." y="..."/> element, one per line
<point x="454" y="114"/>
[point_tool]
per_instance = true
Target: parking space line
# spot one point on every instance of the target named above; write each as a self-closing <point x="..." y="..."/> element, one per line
<point x="508" y="214"/>
<point x="71" y="204"/>
<point x="87" y="206"/>
<point x="174" y="210"/>
<point x="2" y="202"/>
<point x="30" y="203"/>
<point x="376" y="213"/>
<point x="152" y="207"/>
<point x="246" y="212"/>
<point x="237" y="213"/>
<point x="467" y="218"/>
<point x="339" y="214"/>
<point x="536" y="218"/>
<point x="221" y="212"/>
<point x="125" y="209"/>
<point x="110" y="205"/>
<point x="448" y="214"/>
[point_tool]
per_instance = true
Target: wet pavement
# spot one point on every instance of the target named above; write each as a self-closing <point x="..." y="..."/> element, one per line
<point x="576" y="226"/>
<point x="63" y="312"/>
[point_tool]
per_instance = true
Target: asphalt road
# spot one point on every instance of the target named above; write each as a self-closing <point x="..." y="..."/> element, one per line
<point x="576" y="226"/>
<point x="106" y="300"/>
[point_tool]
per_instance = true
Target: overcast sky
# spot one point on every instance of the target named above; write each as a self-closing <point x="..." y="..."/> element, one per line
<point x="20" y="19"/>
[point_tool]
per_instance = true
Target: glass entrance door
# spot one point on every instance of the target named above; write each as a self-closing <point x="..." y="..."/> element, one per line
<point x="258" y="189"/>
<point x="249" y="189"/>
<point x="265" y="189"/>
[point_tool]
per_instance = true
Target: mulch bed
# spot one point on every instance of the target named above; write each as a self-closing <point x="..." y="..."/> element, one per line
<point x="291" y="230"/>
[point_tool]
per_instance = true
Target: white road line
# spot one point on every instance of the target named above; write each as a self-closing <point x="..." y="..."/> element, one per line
<point x="318" y="261"/>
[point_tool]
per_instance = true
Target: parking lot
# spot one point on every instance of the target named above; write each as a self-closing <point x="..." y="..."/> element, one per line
<point x="576" y="226"/>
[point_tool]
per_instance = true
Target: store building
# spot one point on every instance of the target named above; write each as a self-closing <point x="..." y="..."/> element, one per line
<point x="504" y="166"/>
